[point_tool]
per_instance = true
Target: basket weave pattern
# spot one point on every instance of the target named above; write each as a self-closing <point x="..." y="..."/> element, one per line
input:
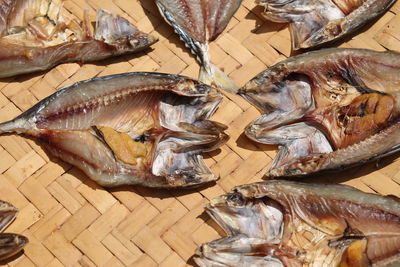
<point x="71" y="221"/>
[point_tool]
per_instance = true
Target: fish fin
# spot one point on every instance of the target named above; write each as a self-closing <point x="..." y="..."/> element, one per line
<point x="11" y="244"/>
<point x="85" y="150"/>
<point x="7" y="214"/>
<point x="204" y="136"/>
<point x="212" y="75"/>
<point x="306" y="21"/>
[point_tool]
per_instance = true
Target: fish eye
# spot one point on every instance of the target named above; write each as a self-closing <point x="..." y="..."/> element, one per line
<point x="235" y="198"/>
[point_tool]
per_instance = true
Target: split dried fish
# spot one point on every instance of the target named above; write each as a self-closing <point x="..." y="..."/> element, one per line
<point x="34" y="37"/>
<point x="197" y="23"/>
<point x="316" y="22"/>
<point x="10" y="244"/>
<point x="327" y="110"/>
<point x="282" y="223"/>
<point x="134" y="128"/>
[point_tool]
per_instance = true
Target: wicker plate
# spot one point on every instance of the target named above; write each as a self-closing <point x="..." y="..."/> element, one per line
<point x="73" y="222"/>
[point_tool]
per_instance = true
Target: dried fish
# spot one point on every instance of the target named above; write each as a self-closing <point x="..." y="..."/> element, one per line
<point x="197" y="23"/>
<point x="282" y="223"/>
<point x="10" y="244"/>
<point x="133" y="128"/>
<point x="327" y="110"/>
<point x="34" y="37"/>
<point x="316" y="22"/>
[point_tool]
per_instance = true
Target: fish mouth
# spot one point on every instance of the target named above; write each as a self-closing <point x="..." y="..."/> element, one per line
<point x="283" y="223"/>
<point x="248" y="233"/>
<point x="243" y="209"/>
<point x="324" y="111"/>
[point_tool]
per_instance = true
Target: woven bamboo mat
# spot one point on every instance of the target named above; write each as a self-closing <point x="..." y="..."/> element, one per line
<point x="71" y="221"/>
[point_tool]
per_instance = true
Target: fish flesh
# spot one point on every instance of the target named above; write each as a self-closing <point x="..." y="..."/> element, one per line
<point x="34" y="37"/>
<point x="10" y="244"/>
<point x="197" y="23"/>
<point x="138" y="128"/>
<point x="283" y="223"/>
<point x="317" y="22"/>
<point x="327" y="110"/>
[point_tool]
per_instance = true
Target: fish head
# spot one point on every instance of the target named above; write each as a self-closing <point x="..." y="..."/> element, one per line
<point x="313" y="23"/>
<point x="250" y="223"/>
<point x="120" y="33"/>
<point x="277" y="89"/>
<point x="236" y="213"/>
<point x="327" y="109"/>
<point x="286" y="223"/>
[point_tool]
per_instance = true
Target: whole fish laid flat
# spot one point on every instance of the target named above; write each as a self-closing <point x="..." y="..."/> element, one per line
<point x="133" y="128"/>
<point x="316" y="22"/>
<point x="10" y="244"/>
<point x="198" y="22"/>
<point x="327" y="110"/>
<point x="282" y="223"/>
<point x="34" y="37"/>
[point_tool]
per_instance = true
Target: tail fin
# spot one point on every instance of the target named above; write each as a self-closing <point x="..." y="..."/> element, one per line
<point x="209" y="74"/>
<point x="11" y="126"/>
<point x="212" y="75"/>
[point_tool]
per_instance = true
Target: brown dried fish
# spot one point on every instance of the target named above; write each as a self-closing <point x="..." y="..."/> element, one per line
<point x="34" y="37"/>
<point x="316" y="22"/>
<point x="327" y="110"/>
<point x="197" y="23"/>
<point x="282" y="223"/>
<point x="133" y="128"/>
<point x="10" y="244"/>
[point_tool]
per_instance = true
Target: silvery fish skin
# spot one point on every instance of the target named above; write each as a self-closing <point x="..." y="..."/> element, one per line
<point x="147" y="129"/>
<point x="10" y="244"/>
<point x="34" y="37"/>
<point x="327" y="110"/>
<point x="316" y="22"/>
<point x="282" y="223"/>
<point x="197" y="23"/>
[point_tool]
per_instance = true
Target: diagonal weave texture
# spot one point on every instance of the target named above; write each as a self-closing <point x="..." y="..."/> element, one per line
<point x="71" y="221"/>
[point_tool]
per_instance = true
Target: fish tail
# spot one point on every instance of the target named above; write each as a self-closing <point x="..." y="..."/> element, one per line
<point x="10" y="126"/>
<point x="209" y="73"/>
<point x="214" y="76"/>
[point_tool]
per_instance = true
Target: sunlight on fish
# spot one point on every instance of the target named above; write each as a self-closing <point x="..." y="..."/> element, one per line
<point x="147" y="129"/>
<point x="282" y="223"/>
